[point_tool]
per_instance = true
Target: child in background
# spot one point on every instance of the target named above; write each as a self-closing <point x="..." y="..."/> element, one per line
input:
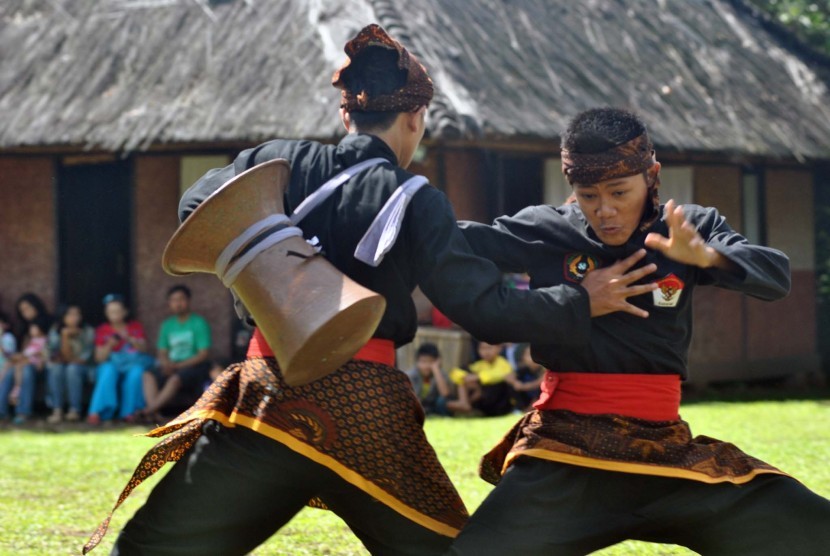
<point x="484" y="386"/>
<point x="526" y="380"/>
<point x="18" y="385"/>
<point x="431" y="384"/>
<point x="34" y="354"/>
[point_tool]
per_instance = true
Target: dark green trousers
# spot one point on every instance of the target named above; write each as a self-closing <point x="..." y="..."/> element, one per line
<point x="235" y="488"/>
<point x="547" y="508"/>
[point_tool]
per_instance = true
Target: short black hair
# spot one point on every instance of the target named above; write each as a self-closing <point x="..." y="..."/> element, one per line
<point x="179" y="288"/>
<point x="376" y="72"/>
<point x="600" y="129"/>
<point x="428" y="350"/>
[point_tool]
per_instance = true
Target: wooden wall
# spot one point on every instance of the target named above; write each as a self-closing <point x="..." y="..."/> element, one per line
<point x="28" y="230"/>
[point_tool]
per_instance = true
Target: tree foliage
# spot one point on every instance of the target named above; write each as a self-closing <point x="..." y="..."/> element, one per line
<point x="808" y="19"/>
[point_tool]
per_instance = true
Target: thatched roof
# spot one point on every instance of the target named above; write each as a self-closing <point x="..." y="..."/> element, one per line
<point x="708" y="75"/>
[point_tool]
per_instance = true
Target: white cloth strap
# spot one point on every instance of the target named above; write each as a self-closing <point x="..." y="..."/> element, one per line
<point x="384" y="230"/>
<point x="376" y="242"/>
<point x="325" y="191"/>
<point x="228" y="272"/>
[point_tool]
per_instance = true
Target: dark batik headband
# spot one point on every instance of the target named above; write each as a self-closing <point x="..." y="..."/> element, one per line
<point x="417" y="92"/>
<point x="634" y="157"/>
<point x="629" y="159"/>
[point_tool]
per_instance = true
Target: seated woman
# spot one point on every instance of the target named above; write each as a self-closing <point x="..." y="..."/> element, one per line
<point x="121" y="350"/>
<point x="71" y="343"/>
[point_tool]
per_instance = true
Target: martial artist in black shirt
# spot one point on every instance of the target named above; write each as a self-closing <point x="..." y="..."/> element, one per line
<point x="605" y="456"/>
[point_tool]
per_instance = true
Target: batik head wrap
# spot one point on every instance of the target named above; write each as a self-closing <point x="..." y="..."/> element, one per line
<point x="417" y="91"/>
<point x="628" y="159"/>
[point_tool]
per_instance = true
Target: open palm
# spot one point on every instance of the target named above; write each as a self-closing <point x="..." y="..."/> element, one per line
<point x="684" y="244"/>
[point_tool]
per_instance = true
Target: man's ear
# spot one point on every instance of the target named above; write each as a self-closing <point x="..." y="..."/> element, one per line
<point x="414" y="119"/>
<point x="654" y="169"/>
<point x="346" y="119"/>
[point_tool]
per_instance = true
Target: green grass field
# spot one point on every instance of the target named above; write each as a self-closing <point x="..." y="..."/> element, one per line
<point x="56" y="487"/>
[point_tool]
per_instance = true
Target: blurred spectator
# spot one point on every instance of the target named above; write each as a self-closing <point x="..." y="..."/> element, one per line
<point x="431" y="384"/>
<point x="71" y="344"/>
<point x="509" y="353"/>
<point x="526" y="380"/>
<point x="183" y="352"/>
<point x="8" y="344"/>
<point x="484" y="386"/>
<point x="30" y="307"/>
<point x="241" y="340"/>
<point x="517" y="281"/>
<point x="18" y="384"/>
<point x="121" y="351"/>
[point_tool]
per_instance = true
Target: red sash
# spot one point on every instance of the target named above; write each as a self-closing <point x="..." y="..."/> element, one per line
<point x="642" y="396"/>
<point x="375" y="350"/>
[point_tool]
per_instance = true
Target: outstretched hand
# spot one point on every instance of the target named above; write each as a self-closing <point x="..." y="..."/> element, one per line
<point x="609" y="288"/>
<point x="684" y="244"/>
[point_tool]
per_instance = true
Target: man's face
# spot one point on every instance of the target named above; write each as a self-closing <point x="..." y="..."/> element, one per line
<point x="179" y="303"/>
<point x="613" y="207"/>
<point x="424" y="365"/>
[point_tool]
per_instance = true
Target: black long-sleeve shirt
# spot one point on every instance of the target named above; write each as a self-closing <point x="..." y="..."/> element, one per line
<point x="556" y="246"/>
<point x="430" y="251"/>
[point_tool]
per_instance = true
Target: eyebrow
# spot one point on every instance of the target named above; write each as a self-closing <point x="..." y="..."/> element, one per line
<point x="615" y="183"/>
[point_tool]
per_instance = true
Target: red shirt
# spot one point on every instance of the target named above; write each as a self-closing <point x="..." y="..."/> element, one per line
<point x="104" y="332"/>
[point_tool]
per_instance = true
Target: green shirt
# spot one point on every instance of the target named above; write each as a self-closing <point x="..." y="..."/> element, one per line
<point x="183" y="340"/>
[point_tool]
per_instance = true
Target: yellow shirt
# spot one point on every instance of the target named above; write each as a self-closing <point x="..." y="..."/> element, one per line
<point x="491" y="372"/>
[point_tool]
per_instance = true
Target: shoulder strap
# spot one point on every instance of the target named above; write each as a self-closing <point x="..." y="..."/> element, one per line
<point x="325" y="191"/>
<point x="384" y="230"/>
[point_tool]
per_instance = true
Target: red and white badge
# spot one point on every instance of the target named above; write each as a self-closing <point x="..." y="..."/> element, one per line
<point x="669" y="292"/>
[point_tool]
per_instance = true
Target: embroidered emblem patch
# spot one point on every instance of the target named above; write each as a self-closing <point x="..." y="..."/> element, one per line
<point x="671" y="288"/>
<point x="577" y="265"/>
